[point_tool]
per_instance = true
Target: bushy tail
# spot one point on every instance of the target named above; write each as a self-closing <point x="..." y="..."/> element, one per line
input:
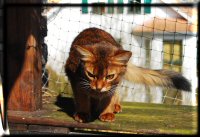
<point x="163" y="78"/>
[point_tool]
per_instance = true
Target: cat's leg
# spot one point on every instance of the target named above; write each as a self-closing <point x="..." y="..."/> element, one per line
<point x="117" y="106"/>
<point x="82" y="104"/>
<point x="108" y="114"/>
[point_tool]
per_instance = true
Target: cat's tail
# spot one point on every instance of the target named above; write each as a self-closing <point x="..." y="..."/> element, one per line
<point x="163" y="78"/>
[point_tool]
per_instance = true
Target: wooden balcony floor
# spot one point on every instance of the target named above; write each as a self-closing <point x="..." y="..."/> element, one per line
<point x="136" y="118"/>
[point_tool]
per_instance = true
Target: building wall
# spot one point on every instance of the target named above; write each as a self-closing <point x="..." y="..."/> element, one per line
<point x="190" y="68"/>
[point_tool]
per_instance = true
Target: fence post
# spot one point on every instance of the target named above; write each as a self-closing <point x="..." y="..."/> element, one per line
<point x="23" y="57"/>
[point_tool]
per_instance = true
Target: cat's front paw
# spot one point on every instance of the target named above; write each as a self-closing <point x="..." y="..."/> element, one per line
<point x="118" y="108"/>
<point x="107" y="117"/>
<point x="81" y="117"/>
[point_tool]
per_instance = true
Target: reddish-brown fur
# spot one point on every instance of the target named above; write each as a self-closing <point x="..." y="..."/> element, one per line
<point x="95" y="66"/>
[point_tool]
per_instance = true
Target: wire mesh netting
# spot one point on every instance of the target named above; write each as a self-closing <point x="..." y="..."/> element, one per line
<point x="159" y="38"/>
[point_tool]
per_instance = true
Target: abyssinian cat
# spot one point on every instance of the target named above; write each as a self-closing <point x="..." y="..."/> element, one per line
<point x="95" y="67"/>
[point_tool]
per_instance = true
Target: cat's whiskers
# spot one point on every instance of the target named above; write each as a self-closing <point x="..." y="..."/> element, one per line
<point x="113" y="87"/>
<point x="83" y="79"/>
<point x="84" y="84"/>
<point x="85" y="87"/>
<point x="112" y="90"/>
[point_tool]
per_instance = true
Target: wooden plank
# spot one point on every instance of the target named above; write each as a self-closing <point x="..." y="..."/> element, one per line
<point x="23" y="57"/>
<point x="53" y="122"/>
<point x="18" y="127"/>
<point x="48" y="129"/>
<point x="136" y="118"/>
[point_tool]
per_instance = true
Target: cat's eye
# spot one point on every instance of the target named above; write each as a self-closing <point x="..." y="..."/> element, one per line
<point x="110" y="77"/>
<point x="90" y="75"/>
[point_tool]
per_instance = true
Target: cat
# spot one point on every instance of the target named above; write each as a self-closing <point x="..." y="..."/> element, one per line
<point x="96" y="65"/>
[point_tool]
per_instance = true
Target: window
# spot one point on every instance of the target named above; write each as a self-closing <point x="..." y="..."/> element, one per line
<point x="172" y="55"/>
<point x="84" y="8"/>
<point x="148" y="8"/>
<point x="138" y="9"/>
<point x="134" y="9"/>
<point x="110" y="9"/>
<point x="121" y="8"/>
<point x="98" y="9"/>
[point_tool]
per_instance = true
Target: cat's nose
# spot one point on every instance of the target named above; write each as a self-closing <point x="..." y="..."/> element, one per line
<point x="99" y="85"/>
<point x="98" y="89"/>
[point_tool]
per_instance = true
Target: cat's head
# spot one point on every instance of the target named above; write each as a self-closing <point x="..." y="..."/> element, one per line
<point x="103" y="64"/>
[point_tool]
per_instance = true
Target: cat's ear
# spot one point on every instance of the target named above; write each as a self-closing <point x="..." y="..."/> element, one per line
<point x="85" y="52"/>
<point x="121" y="57"/>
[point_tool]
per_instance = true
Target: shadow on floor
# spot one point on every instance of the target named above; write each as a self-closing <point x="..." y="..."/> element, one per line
<point x="66" y="105"/>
